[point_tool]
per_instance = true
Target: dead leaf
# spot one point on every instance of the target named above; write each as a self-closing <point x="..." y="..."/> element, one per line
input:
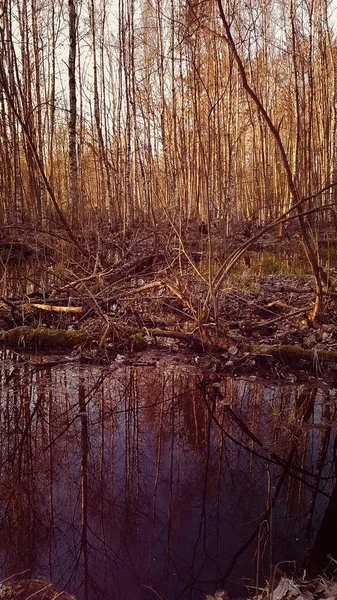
<point x="233" y="350"/>
<point x="286" y="589"/>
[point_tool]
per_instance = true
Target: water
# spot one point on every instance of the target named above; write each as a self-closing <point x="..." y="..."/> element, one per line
<point x="124" y="482"/>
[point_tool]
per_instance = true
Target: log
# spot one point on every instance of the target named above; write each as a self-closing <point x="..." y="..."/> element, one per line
<point x="40" y="337"/>
<point x="291" y="352"/>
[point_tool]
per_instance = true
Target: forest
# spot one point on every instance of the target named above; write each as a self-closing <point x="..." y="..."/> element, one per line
<point x="150" y="150"/>
<point x="168" y="317"/>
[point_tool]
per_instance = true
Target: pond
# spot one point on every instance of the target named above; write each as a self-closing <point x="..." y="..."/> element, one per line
<point x="158" y="481"/>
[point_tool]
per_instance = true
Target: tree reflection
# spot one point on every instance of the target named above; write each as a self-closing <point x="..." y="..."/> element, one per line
<point x="122" y="481"/>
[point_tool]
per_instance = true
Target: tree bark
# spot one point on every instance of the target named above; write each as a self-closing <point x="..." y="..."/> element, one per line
<point x="73" y="194"/>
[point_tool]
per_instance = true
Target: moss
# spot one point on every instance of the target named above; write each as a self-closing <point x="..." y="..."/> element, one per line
<point x="270" y="264"/>
<point x="288" y="351"/>
<point x="214" y="363"/>
<point x="123" y="338"/>
<point x="308" y="354"/>
<point x="39" y="337"/>
<point x="59" y="269"/>
<point x="5" y="591"/>
<point x="137" y="342"/>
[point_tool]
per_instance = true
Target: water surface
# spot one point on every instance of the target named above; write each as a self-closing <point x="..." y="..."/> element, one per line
<point x="157" y="481"/>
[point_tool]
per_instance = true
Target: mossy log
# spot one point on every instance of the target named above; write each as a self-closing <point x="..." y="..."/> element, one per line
<point x="121" y="338"/>
<point x="296" y="352"/>
<point x="39" y="337"/>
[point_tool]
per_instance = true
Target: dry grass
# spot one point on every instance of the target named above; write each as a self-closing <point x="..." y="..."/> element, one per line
<point x="27" y="589"/>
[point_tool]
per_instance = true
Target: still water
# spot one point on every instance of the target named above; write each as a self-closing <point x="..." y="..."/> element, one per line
<point x="157" y="481"/>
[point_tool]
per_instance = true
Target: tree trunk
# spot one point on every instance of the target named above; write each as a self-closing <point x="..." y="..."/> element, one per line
<point x="309" y="248"/>
<point x="73" y="193"/>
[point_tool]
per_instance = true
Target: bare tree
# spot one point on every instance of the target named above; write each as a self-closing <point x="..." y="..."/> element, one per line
<point x="308" y="241"/>
<point x="73" y="190"/>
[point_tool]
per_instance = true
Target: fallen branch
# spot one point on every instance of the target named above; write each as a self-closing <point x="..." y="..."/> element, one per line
<point x="283" y="317"/>
<point x="61" y="309"/>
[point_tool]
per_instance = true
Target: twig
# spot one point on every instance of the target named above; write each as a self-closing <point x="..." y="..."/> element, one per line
<point x="15" y="575"/>
<point x="49" y="585"/>
<point x="281" y="317"/>
<point x="152" y="590"/>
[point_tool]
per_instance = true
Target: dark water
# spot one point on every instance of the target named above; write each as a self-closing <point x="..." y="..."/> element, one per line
<point x="121" y="482"/>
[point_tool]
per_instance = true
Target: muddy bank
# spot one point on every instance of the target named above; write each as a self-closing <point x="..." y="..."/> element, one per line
<point x="152" y="294"/>
<point x="261" y="328"/>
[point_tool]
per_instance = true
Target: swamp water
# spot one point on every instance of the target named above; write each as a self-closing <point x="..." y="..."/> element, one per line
<point x="157" y="481"/>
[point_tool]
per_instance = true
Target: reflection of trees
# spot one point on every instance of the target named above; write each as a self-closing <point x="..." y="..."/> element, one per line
<point x="121" y="481"/>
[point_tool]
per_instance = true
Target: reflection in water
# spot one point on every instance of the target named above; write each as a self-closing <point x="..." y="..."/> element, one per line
<point x="119" y="482"/>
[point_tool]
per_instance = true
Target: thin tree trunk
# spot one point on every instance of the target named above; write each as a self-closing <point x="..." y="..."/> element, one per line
<point x="307" y="241"/>
<point x="73" y="193"/>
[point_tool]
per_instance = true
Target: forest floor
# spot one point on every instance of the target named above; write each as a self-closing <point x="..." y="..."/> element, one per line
<point x="23" y="588"/>
<point x="143" y="297"/>
<point x="320" y="588"/>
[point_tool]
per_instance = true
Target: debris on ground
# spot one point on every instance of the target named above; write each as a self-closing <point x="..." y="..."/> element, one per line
<point x="15" y="588"/>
